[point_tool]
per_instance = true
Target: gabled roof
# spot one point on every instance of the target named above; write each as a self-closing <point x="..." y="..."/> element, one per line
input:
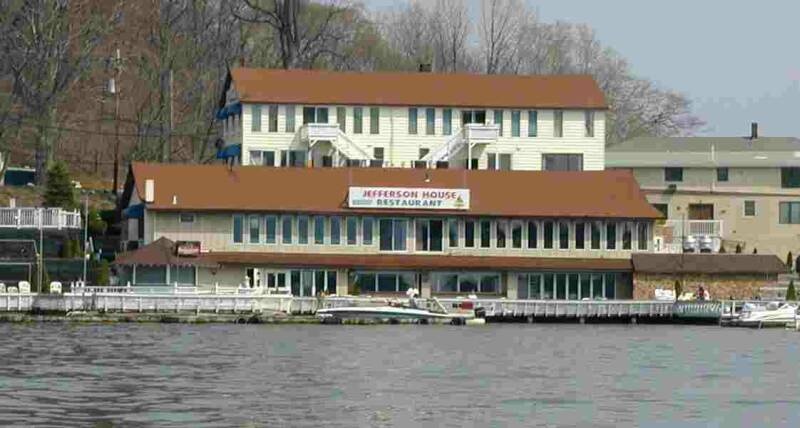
<point x="704" y="152"/>
<point x="161" y="252"/>
<point x="259" y="85"/>
<point x="595" y="194"/>
<point x="707" y="263"/>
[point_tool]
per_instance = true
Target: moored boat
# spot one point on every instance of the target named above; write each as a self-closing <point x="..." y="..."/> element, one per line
<point x="410" y="310"/>
<point x="773" y="314"/>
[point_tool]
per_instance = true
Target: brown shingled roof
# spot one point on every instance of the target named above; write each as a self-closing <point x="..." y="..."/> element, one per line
<point x="258" y="85"/>
<point x="707" y="263"/>
<point x="406" y="261"/>
<point x="161" y="252"/>
<point x="591" y="194"/>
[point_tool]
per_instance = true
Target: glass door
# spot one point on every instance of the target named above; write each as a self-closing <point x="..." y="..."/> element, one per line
<point x="276" y="280"/>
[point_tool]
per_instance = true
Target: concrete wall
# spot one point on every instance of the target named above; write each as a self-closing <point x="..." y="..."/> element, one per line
<point x="718" y="286"/>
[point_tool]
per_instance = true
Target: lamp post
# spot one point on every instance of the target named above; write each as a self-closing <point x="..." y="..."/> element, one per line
<point x="85" y="236"/>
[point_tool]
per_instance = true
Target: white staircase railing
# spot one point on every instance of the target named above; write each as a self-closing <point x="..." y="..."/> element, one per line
<point x="448" y="149"/>
<point x="316" y="132"/>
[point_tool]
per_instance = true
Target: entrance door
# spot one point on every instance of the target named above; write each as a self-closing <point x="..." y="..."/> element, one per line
<point x="277" y="281"/>
<point x="701" y="211"/>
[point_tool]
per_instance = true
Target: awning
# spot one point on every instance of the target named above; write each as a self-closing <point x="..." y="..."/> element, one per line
<point x="231" y="110"/>
<point x="162" y="252"/>
<point x="227" y="152"/>
<point x="134" y="211"/>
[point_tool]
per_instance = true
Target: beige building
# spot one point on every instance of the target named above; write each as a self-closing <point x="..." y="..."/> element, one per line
<point x="518" y="234"/>
<point x="719" y="192"/>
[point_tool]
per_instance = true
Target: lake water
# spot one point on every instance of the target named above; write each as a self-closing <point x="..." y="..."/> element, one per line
<point x="310" y="375"/>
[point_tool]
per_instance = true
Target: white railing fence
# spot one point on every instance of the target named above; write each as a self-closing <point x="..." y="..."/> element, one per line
<point x="33" y="218"/>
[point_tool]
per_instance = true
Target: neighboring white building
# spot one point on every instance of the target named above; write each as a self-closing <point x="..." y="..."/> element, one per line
<point x="323" y="118"/>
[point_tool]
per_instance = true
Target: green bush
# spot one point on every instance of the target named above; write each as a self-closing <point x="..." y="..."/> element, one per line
<point x="97" y="226"/>
<point x="77" y="248"/>
<point x="791" y="293"/>
<point x="66" y="248"/>
<point x="59" y="191"/>
<point x="101" y="272"/>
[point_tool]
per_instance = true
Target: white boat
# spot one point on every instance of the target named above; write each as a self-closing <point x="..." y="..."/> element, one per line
<point x="412" y="310"/>
<point x="771" y="314"/>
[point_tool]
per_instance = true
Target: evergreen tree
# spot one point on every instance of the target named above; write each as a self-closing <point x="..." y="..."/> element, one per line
<point x="789" y="261"/>
<point x="59" y="192"/>
<point x="678" y="289"/>
<point x="791" y="293"/>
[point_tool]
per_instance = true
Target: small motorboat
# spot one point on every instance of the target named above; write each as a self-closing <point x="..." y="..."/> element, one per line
<point x="773" y="314"/>
<point x="411" y="310"/>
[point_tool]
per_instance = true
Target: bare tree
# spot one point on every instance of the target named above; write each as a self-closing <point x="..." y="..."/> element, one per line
<point x="451" y="27"/>
<point x="408" y="31"/>
<point x="501" y="24"/>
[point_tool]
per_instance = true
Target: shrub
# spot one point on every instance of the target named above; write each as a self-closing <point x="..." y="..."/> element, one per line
<point x="791" y="293"/>
<point x="97" y="226"/>
<point x="678" y="289"/>
<point x="101" y="272"/>
<point x="789" y="261"/>
<point x="59" y="192"/>
<point x="67" y="248"/>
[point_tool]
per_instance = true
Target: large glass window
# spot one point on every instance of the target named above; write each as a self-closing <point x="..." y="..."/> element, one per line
<point x="469" y="233"/>
<point x="384" y="282"/>
<point x="562" y="162"/>
<point x="516" y="234"/>
<point x="533" y="234"/>
<point x="447" y="121"/>
<point x="790" y="177"/>
<point x="515" y="119"/>
<point x="488" y="283"/>
<point x="255" y="228"/>
<point x="789" y="213"/>
<point x="473" y="116"/>
<point x="486" y="233"/>
<point x="272" y="229"/>
<point x="255" y="118"/>
<point x="611" y="236"/>
<point x="183" y="275"/>
<point x="572" y="286"/>
<point x="286" y="229"/>
<point x="548" y="287"/>
<point x="586" y="286"/>
<point x="366" y="230"/>
<point x="315" y="115"/>
<point x="358" y="120"/>
<point x="430" y="121"/>
<point x="341" y="118"/>
<point x="627" y="236"/>
<point x="302" y="229"/>
<point x="529" y="286"/>
<point x="336" y="230"/>
<point x="642" y="237"/>
<point x="563" y="235"/>
<point x="597" y="286"/>
<point x="429" y="235"/>
<point x="238" y="229"/>
<point x="673" y="174"/>
<point x="289" y="110"/>
<point x="501" y="229"/>
<point x="580" y="235"/>
<point x="452" y="233"/>
<point x="533" y="129"/>
<point x="610" y="286"/>
<point x="319" y="230"/>
<point x="412" y="120"/>
<point x="151" y="275"/>
<point x="374" y="120"/>
<point x="498" y="120"/>
<point x="596" y="233"/>
<point x="393" y="234"/>
<point x="352" y="230"/>
<point x="549" y="230"/>
<point x="561" y="286"/>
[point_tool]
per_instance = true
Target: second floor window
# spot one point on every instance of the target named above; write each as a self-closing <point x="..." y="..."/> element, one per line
<point x="271" y="223"/>
<point x="273" y="118"/>
<point x="498" y="120"/>
<point x="790" y="177"/>
<point x="374" y="120"/>
<point x="515" y="125"/>
<point x="286" y="229"/>
<point x="366" y="230"/>
<point x="392" y="233"/>
<point x="673" y="174"/>
<point x="430" y="121"/>
<point x="315" y="115"/>
<point x="341" y="118"/>
<point x="473" y="116"/>
<point x="558" y="123"/>
<point x="358" y="120"/>
<point x="722" y="174"/>
<point x="789" y="213"/>
<point x="319" y="230"/>
<point x="289" y="118"/>
<point x="533" y="127"/>
<point x="255" y="122"/>
<point x="412" y="120"/>
<point x="447" y="121"/>
<point x="429" y="235"/>
<point x="238" y="229"/>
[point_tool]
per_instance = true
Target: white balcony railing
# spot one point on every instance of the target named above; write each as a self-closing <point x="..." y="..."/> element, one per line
<point x="319" y="131"/>
<point x="478" y="133"/>
<point x="675" y="236"/>
<point x="34" y="218"/>
<point x="695" y="227"/>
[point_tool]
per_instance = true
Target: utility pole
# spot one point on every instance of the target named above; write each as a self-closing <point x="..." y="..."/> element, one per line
<point x="113" y="88"/>
<point x="85" y="236"/>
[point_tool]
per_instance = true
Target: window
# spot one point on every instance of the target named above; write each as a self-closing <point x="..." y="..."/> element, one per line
<point x="673" y="174"/>
<point x="430" y="121"/>
<point x="722" y="174"/>
<point x="384" y="282"/>
<point x="469" y="233"/>
<point x="392" y="234"/>
<point x="588" y="123"/>
<point x="255" y="123"/>
<point x="501" y="229"/>
<point x="498" y="120"/>
<point x="262" y="157"/>
<point x="790" y="177"/>
<point x="289" y="118"/>
<point x="558" y="123"/>
<point x="533" y="128"/>
<point x="341" y="118"/>
<point x="302" y="229"/>
<point x="358" y="120"/>
<point x="595" y="235"/>
<point x="562" y="162"/>
<point x="515" y="119"/>
<point x="315" y="115"/>
<point x="254" y="223"/>
<point x="664" y="208"/>
<point x="487" y="283"/>
<point x="563" y="235"/>
<point x="447" y="121"/>
<point x="294" y="158"/>
<point x="789" y="213"/>
<point x="352" y="230"/>
<point x="336" y="230"/>
<point x="473" y="116"/>
<point x="319" y="230"/>
<point x="374" y="120"/>
<point x="429" y="235"/>
<point x="272" y="229"/>
<point x="516" y="234"/>
<point x="238" y="229"/>
<point x="749" y="208"/>
<point x="286" y="229"/>
<point x="611" y="236"/>
<point x="642" y="236"/>
<point x="423" y="152"/>
<point x="452" y="233"/>
<point x="505" y="161"/>
<point x="486" y="233"/>
<point x="627" y="235"/>
<point x="533" y="234"/>
<point x="580" y="235"/>
<point x="186" y="217"/>
<point x="377" y="153"/>
<point x="549" y="229"/>
<point x="273" y="118"/>
<point x="366" y="230"/>
<point x="491" y="161"/>
<point x="412" y="120"/>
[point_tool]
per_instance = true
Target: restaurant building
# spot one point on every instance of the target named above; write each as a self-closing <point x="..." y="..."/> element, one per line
<point x="373" y="231"/>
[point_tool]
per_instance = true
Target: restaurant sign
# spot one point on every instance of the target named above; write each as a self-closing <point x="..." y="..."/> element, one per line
<point x="408" y="198"/>
<point x="187" y="248"/>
